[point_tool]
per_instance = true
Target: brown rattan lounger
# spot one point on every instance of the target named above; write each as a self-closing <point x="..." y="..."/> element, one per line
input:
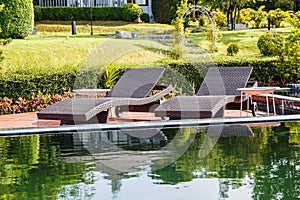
<point x="218" y="88"/>
<point x="130" y="92"/>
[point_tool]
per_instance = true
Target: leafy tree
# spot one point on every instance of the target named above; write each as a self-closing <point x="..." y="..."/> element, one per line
<point x="276" y="17"/>
<point x="16" y="19"/>
<point x="272" y="4"/>
<point x="296" y="5"/>
<point x="245" y="14"/>
<point x="35" y="2"/>
<point x="220" y="18"/>
<point x="294" y="19"/>
<point x="284" y="4"/>
<point x="258" y="16"/>
<point x="164" y="11"/>
<point x="230" y="7"/>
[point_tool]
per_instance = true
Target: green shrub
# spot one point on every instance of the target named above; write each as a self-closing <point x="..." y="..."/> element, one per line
<point x="145" y="17"/>
<point x="289" y="58"/>
<point x="232" y="49"/>
<point x="110" y="76"/>
<point x="78" y="13"/>
<point x="15" y="85"/>
<point x="16" y="19"/>
<point x="132" y="12"/>
<point x="270" y="44"/>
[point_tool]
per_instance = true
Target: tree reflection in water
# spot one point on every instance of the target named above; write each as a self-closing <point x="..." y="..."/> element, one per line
<point x="64" y="166"/>
<point x="269" y="161"/>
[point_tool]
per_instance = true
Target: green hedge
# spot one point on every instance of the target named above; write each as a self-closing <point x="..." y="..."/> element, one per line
<point x="16" y="18"/>
<point x="25" y="86"/>
<point x="123" y="13"/>
<point x="78" y="13"/>
<point x="265" y="72"/>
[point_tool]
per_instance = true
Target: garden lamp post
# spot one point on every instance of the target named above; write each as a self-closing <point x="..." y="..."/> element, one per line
<point x="91" y="17"/>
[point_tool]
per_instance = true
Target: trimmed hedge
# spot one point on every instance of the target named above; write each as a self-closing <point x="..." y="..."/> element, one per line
<point x="78" y="13"/>
<point x="16" y="19"/>
<point x="29" y="86"/>
<point x="25" y="86"/>
<point x="265" y="72"/>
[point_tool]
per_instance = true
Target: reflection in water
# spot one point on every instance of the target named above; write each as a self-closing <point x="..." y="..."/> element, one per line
<point x="261" y="165"/>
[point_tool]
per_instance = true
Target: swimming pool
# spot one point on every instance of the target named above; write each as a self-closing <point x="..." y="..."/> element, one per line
<point x="191" y="162"/>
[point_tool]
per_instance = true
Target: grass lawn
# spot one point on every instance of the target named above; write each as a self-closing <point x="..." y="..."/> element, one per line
<point x="246" y="40"/>
<point x="58" y="51"/>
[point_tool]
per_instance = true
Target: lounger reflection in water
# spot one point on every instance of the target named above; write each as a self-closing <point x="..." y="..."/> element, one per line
<point x="218" y="89"/>
<point x="130" y="92"/>
<point x="231" y="130"/>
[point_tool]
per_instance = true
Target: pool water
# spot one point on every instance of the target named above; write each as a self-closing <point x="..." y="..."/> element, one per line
<point x="187" y="163"/>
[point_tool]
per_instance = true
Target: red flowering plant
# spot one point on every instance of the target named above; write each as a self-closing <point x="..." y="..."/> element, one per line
<point x="38" y="102"/>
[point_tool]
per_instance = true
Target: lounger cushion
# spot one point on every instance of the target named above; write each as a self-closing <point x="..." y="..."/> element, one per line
<point x="191" y="107"/>
<point x="77" y="109"/>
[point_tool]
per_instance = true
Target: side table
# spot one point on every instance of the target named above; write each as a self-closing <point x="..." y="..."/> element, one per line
<point x="258" y="91"/>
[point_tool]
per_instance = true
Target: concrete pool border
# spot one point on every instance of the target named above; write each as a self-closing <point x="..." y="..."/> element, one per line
<point x="146" y="125"/>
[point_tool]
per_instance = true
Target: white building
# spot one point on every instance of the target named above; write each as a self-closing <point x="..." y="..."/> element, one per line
<point x="145" y="4"/>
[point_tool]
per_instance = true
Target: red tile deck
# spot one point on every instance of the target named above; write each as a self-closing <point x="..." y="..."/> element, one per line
<point x="25" y="120"/>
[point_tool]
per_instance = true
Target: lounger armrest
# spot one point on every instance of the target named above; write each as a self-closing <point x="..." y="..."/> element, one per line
<point x="160" y="87"/>
<point x="252" y="84"/>
<point x="130" y="101"/>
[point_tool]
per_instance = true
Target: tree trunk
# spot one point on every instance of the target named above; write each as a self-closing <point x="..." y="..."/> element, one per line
<point x="239" y="16"/>
<point x="231" y="20"/>
<point x="228" y="17"/>
<point x="296" y="5"/>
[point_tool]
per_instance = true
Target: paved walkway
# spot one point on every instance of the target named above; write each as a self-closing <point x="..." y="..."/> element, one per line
<point x="25" y="120"/>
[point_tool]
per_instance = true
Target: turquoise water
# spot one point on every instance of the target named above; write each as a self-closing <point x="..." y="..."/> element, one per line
<point x="193" y="163"/>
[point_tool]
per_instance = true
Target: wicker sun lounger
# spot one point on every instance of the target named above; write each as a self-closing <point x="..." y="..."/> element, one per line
<point x="218" y="89"/>
<point x="130" y="93"/>
<point x="230" y="130"/>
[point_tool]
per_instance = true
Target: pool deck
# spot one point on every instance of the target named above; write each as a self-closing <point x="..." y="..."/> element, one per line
<point x="26" y="120"/>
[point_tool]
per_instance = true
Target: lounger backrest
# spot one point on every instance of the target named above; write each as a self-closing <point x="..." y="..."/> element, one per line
<point x="224" y="81"/>
<point x="136" y="82"/>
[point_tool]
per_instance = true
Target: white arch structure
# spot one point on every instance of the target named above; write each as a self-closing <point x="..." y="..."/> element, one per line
<point x="206" y="12"/>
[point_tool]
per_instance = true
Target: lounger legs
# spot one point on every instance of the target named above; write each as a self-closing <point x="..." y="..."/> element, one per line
<point x="99" y="118"/>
